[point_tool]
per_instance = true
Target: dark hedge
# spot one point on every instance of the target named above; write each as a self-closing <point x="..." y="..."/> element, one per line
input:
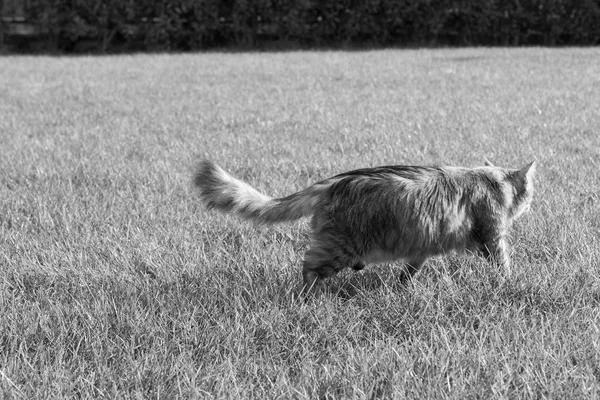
<point x="112" y="25"/>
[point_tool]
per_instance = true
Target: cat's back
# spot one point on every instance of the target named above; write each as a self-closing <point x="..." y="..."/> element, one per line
<point x="407" y="177"/>
<point x="409" y="172"/>
<point x="390" y="184"/>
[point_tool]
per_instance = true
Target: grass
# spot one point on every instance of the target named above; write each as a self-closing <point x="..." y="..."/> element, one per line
<point x="115" y="282"/>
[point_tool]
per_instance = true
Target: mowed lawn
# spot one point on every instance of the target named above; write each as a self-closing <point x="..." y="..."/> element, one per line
<point x="116" y="282"/>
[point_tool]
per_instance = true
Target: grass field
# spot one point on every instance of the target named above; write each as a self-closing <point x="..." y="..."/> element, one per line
<point x="116" y="282"/>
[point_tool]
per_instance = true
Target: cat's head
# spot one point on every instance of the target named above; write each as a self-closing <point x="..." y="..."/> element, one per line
<point x="519" y="193"/>
<point x="522" y="184"/>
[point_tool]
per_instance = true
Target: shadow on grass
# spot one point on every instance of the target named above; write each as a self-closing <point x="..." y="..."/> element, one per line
<point x="371" y="280"/>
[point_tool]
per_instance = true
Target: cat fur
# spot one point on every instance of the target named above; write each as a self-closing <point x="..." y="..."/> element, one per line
<point x="387" y="213"/>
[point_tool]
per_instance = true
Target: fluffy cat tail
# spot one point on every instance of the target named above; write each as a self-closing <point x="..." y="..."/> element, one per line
<point x="223" y="192"/>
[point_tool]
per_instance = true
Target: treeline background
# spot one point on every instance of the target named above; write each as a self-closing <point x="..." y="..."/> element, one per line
<point x="182" y="25"/>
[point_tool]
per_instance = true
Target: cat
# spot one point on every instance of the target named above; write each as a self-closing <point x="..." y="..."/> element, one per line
<point x="387" y="213"/>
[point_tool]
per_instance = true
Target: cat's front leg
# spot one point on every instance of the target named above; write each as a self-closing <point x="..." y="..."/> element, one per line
<point x="497" y="252"/>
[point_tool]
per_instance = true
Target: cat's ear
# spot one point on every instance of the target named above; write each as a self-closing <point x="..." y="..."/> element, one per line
<point x="528" y="171"/>
<point x="488" y="163"/>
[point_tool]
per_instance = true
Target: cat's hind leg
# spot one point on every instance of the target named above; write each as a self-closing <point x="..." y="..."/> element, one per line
<point x="359" y="266"/>
<point x="324" y="260"/>
<point x="411" y="267"/>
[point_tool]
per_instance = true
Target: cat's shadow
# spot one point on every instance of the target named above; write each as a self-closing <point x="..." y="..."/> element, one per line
<point x="352" y="284"/>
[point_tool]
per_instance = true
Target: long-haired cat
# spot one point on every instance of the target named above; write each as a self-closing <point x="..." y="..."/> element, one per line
<point x="387" y="213"/>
